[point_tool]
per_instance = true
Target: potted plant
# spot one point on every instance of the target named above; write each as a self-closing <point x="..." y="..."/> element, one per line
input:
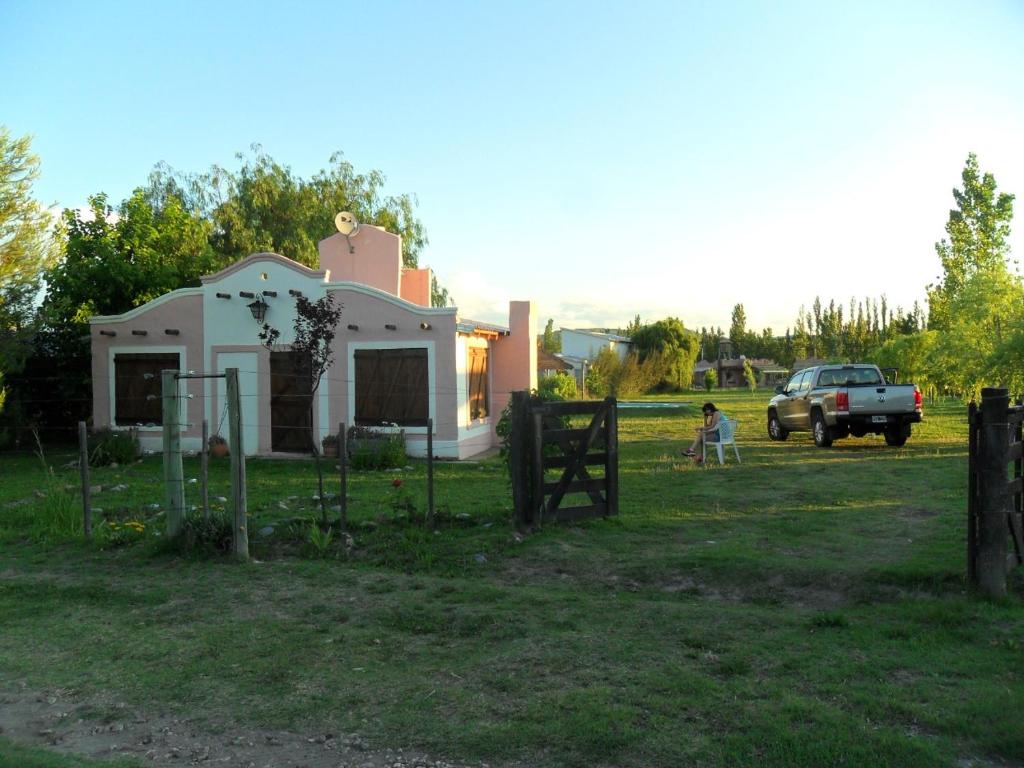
<point x="330" y="446"/>
<point x="218" y="446"/>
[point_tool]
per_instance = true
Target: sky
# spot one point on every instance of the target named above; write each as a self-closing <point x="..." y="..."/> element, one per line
<point x="604" y="159"/>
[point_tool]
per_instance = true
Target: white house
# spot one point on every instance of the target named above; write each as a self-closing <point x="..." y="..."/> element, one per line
<point x="580" y="347"/>
<point x="399" y="363"/>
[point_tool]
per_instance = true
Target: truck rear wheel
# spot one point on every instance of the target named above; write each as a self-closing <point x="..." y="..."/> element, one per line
<point x="822" y="434"/>
<point x="775" y="429"/>
<point x="897" y="436"/>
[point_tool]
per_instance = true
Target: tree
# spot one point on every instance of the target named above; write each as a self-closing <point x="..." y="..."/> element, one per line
<point x="315" y="325"/>
<point x="551" y="341"/>
<point x="978" y="230"/>
<point x="978" y="302"/>
<point x="738" y="330"/>
<point x="710" y="379"/>
<point x="25" y="249"/>
<point x="749" y="376"/>
<point x="113" y="262"/>
<point x="264" y="206"/>
<point x="670" y="347"/>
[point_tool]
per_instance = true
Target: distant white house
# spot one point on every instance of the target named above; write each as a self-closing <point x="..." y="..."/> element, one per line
<point x="580" y="348"/>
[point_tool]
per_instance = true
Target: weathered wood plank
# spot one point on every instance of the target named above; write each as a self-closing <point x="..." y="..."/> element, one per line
<point x="611" y="467"/>
<point x="83" y="470"/>
<point x="1016" y="451"/>
<point x="559" y="435"/>
<point x="577" y="486"/>
<point x="568" y="514"/>
<point x="559" y="462"/>
<point x="1016" y="485"/>
<point x="572" y="468"/>
<point x="537" y="497"/>
<point x="571" y="408"/>
<point x="240" y="523"/>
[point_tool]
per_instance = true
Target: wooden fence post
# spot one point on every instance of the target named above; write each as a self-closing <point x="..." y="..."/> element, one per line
<point x="537" y="466"/>
<point x="343" y="476"/>
<point x="972" y="492"/>
<point x="611" y="461"/>
<point x="174" y="480"/>
<point x="993" y="491"/>
<point x="240" y="536"/>
<point x="204" y="470"/>
<point x="83" y="464"/>
<point x="430" y="474"/>
<point x="518" y="448"/>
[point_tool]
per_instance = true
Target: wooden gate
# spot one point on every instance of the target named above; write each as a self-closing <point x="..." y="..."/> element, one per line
<point x="543" y="441"/>
<point x="995" y="505"/>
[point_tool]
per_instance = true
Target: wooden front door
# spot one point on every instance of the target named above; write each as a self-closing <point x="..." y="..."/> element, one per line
<point x="290" y="426"/>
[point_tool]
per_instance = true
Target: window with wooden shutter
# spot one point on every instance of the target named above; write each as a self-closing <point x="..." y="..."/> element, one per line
<point x="479" y="391"/>
<point x="392" y="387"/>
<point x="138" y="387"/>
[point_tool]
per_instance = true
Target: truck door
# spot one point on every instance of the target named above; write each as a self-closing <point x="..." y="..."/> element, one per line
<point x="787" y="407"/>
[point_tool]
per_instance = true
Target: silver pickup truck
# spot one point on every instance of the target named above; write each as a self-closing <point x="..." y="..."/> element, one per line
<point x="834" y="401"/>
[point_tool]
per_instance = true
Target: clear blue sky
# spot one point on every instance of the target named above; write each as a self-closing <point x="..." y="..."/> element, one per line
<point x="605" y="159"/>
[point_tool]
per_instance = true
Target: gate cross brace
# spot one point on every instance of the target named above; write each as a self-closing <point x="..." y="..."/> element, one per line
<point x="575" y="462"/>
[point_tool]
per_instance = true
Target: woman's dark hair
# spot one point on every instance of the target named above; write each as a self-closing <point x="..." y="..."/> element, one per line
<point x="708" y="408"/>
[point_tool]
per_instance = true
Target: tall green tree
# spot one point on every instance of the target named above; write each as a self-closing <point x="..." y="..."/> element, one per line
<point x="26" y="248"/>
<point x="978" y="303"/>
<point x="738" y="330"/>
<point x="551" y="341"/>
<point x="675" y="347"/>
<point x="978" y="230"/>
<point x="265" y="206"/>
<point x="114" y="261"/>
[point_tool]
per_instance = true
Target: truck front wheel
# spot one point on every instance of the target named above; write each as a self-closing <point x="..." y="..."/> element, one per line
<point x="822" y="434"/>
<point x="775" y="429"/>
<point x="897" y="436"/>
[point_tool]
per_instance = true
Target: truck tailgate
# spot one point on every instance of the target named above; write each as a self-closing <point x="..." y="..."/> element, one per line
<point x="881" y="398"/>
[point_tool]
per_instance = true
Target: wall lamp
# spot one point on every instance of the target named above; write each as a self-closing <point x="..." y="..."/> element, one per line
<point x="258" y="309"/>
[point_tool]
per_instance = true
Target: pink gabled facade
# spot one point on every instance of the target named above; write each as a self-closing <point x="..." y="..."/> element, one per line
<point x="386" y="315"/>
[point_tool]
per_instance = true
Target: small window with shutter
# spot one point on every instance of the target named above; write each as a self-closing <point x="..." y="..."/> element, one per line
<point x="479" y="391"/>
<point x="392" y="387"/>
<point x="138" y="387"/>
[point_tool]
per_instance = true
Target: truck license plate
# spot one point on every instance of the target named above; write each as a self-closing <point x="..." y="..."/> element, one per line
<point x="879" y="419"/>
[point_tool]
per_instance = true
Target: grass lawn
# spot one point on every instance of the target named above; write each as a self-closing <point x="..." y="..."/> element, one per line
<point x="804" y="608"/>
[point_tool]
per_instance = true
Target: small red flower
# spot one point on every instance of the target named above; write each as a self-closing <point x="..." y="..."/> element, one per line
<point x="396" y="483"/>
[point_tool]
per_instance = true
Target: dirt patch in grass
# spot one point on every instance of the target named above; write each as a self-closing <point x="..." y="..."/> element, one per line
<point x="98" y="728"/>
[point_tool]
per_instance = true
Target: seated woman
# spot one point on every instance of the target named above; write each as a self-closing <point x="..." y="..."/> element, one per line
<point x="708" y="432"/>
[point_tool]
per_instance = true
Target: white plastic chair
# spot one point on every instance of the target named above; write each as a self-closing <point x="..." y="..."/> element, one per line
<point x="726" y="436"/>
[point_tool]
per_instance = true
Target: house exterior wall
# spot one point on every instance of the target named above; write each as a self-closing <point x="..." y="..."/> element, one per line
<point x="587" y="346"/>
<point x="416" y="286"/>
<point x="514" y="358"/>
<point x="374" y="259"/>
<point x="217" y="333"/>
<point x="372" y="312"/>
<point x="181" y="310"/>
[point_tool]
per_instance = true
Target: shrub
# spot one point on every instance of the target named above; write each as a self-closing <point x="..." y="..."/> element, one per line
<point x="371" y="449"/>
<point x="209" y="534"/>
<point x="112" y="446"/>
<point x="559" y="386"/>
<point x="710" y="379"/>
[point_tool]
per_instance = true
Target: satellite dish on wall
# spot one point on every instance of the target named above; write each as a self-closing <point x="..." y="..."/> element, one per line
<point x="348" y="226"/>
<point x="346" y="223"/>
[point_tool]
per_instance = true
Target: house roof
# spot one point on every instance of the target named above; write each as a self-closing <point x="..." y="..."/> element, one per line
<point x="598" y="334"/>
<point x="808" y="362"/>
<point x="465" y="325"/>
<point x="549" y="362"/>
<point x="256" y="257"/>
